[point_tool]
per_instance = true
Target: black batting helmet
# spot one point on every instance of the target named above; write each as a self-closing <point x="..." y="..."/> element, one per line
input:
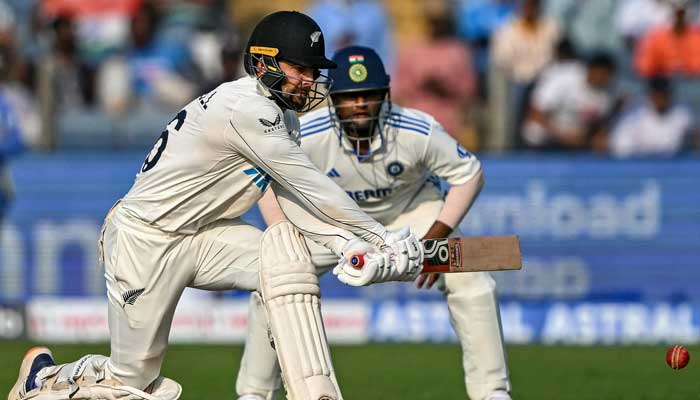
<point x="286" y="36"/>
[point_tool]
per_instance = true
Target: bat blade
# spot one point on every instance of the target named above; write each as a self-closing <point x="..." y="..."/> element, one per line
<point x="471" y="254"/>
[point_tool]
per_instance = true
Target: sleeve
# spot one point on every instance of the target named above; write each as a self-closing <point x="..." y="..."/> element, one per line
<point x="327" y="235"/>
<point x="268" y="145"/>
<point x="446" y="158"/>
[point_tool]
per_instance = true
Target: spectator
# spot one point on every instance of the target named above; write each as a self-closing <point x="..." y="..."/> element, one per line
<point x="19" y="127"/>
<point x="66" y="84"/>
<point x="71" y="80"/>
<point x="101" y="27"/>
<point x="670" y="49"/>
<point x="524" y="46"/>
<point x="355" y="22"/>
<point x="231" y="57"/>
<point x="658" y="127"/>
<point x="436" y="75"/>
<point x="590" y="24"/>
<point x="152" y="70"/>
<point x="476" y="21"/>
<point x="571" y="105"/>
<point x="634" y="18"/>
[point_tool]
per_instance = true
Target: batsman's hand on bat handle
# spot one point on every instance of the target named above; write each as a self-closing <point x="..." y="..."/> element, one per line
<point x="361" y="263"/>
<point x="406" y="254"/>
<point x="399" y="259"/>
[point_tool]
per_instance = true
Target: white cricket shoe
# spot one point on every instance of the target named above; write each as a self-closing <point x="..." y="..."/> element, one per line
<point x="34" y="360"/>
<point x="499" y="395"/>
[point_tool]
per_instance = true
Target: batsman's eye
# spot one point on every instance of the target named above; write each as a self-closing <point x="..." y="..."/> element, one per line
<point x="162" y="142"/>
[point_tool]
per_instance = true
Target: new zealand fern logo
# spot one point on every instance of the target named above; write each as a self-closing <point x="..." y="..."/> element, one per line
<point x="260" y="178"/>
<point x="130" y="296"/>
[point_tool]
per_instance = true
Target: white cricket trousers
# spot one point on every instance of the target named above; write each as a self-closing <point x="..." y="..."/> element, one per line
<point x="146" y="271"/>
<point x="471" y="300"/>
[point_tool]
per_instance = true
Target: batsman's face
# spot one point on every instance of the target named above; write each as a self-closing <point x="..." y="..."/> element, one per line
<point x="359" y="108"/>
<point x="299" y="82"/>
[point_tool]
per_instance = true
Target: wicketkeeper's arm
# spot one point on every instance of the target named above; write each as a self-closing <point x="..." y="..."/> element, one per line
<point x="457" y="203"/>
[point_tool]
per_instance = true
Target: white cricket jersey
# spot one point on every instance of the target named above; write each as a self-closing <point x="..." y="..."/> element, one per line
<point x="218" y="155"/>
<point x="403" y="166"/>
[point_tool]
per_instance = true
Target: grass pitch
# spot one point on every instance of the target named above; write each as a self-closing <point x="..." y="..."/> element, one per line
<point x="422" y="372"/>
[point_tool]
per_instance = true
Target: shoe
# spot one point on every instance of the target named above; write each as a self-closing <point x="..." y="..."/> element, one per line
<point x="34" y="360"/>
<point x="499" y="395"/>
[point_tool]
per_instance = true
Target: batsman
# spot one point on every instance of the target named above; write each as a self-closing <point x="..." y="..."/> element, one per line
<point x="179" y="226"/>
<point x="389" y="160"/>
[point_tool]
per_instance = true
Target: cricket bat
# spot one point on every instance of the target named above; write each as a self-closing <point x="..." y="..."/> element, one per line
<point x="466" y="254"/>
<point x="470" y="254"/>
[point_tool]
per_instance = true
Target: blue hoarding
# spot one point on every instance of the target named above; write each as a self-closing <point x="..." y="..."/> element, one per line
<point x="592" y="229"/>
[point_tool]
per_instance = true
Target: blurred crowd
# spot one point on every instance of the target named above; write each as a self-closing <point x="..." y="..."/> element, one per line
<point x="618" y="77"/>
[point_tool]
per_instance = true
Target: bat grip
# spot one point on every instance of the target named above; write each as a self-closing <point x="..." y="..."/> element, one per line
<point x="357" y="261"/>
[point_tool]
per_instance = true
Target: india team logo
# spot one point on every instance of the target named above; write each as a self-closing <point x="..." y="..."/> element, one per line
<point x="394" y="169"/>
<point x="358" y="73"/>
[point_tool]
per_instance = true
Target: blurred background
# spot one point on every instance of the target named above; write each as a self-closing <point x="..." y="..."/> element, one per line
<point x="584" y="114"/>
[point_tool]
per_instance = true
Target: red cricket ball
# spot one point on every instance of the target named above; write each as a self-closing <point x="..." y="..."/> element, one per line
<point x="677" y="357"/>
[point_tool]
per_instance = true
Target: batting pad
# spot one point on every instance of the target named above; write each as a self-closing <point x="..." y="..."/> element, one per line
<point x="291" y="293"/>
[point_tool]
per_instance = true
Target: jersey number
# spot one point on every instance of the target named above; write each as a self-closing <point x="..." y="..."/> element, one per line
<point x="162" y="141"/>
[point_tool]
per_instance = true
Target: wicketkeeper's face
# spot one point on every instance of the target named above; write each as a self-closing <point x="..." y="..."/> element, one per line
<point x="359" y="109"/>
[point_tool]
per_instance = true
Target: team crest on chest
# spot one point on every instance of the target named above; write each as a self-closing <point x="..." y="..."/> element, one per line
<point x="395" y="169"/>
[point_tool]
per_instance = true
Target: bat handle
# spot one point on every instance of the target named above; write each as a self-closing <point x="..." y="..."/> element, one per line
<point x="357" y="261"/>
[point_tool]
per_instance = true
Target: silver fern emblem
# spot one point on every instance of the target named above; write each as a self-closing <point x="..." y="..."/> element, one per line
<point x="314" y="37"/>
<point x="130" y="296"/>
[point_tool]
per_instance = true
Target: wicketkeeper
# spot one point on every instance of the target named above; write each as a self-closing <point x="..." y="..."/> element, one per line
<point x="389" y="159"/>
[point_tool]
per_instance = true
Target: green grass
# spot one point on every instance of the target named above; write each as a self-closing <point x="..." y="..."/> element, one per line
<point x="429" y="371"/>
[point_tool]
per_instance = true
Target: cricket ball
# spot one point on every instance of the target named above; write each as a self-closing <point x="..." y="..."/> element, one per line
<point x="677" y="357"/>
